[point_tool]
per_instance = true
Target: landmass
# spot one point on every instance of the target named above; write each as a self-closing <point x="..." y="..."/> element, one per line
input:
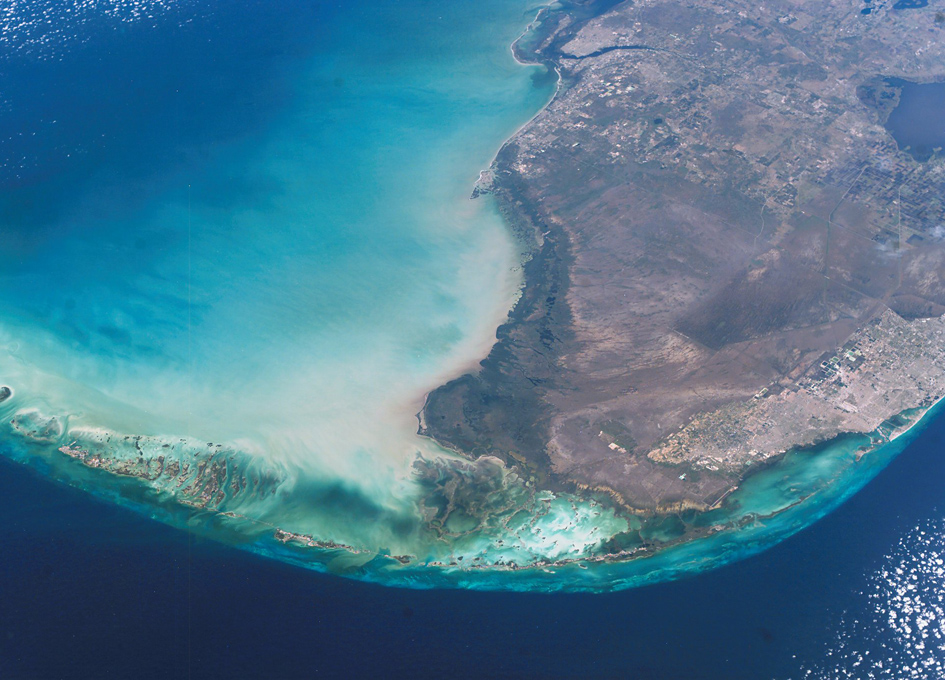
<point x="729" y="257"/>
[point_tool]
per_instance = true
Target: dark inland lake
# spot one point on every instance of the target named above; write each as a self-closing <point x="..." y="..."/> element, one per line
<point x="918" y="122"/>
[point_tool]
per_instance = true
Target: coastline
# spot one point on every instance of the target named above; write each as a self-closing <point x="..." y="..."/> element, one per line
<point x="538" y="308"/>
<point x="595" y="573"/>
<point x="203" y="492"/>
<point x="516" y="55"/>
<point x="527" y="224"/>
<point x="547" y="61"/>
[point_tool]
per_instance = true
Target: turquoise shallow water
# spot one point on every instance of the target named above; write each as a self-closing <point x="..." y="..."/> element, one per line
<point x="280" y="254"/>
<point x="245" y="233"/>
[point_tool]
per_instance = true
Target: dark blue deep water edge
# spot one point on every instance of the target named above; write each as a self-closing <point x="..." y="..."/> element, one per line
<point x="93" y="590"/>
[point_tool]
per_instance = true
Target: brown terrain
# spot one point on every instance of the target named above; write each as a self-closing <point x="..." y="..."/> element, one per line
<point x="729" y="254"/>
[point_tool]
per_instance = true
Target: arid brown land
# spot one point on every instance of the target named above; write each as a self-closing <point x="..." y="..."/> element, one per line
<point x="729" y="254"/>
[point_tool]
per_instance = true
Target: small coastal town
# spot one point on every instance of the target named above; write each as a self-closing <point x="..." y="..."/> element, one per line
<point x="888" y="368"/>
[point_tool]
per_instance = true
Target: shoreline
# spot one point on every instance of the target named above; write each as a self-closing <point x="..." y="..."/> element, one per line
<point x="318" y="553"/>
<point x="547" y="263"/>
<point x="518" y="60"/>
<point x="513" y="201"/>
<point x="548" y="63"/>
